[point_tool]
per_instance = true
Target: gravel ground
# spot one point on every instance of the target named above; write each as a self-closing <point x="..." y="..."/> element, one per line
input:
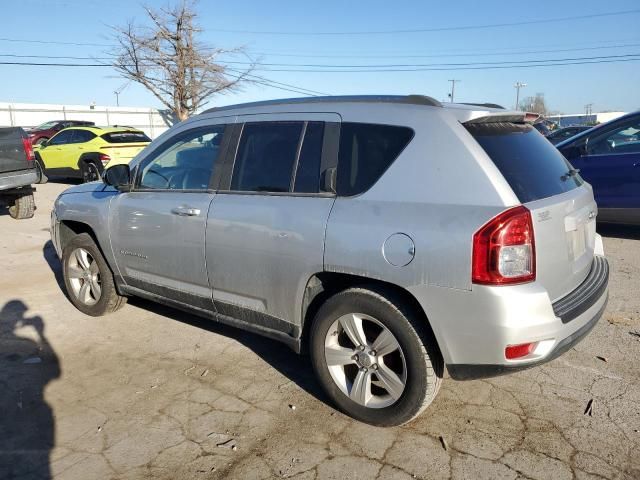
<point x="153" y="392"/>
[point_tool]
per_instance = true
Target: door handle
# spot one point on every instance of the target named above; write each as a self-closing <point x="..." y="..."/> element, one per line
<point x="186" y="211"/>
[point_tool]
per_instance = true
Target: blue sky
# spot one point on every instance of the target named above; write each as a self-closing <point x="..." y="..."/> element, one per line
<point x="608" y="86"/>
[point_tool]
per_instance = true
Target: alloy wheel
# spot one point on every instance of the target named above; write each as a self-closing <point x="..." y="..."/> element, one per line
<point x="365" y="360"/>
<point x="84" y="276"/>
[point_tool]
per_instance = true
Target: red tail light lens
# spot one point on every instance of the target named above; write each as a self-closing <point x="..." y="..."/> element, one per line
<point x="104" y="158"/>
<point x="504" y="249"/>
<point x="28" y="150"/>
<point x="518" y="351"/>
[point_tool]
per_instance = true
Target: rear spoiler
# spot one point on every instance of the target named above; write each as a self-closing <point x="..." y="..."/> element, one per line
<point x="507" y="117"/>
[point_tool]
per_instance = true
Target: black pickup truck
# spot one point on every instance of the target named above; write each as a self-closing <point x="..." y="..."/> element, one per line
<point x="18" y="172"/>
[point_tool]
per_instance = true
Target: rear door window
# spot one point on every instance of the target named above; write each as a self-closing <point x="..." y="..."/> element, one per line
<point x="366" y="151"/>
<point x="266" y="156"/>
<point x="82" y="136"/>
<point x="531" y="165"/>
<point x="125" y="137"/>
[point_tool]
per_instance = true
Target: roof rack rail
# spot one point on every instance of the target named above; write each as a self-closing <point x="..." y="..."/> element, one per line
<point x="405" y="99"/>
<point x="488" y="105"/>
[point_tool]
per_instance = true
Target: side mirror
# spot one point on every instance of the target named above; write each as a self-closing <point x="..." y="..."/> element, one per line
<point x="574" y="151"/>
<point x="43" y="143"/>
<point x="118" y="176"/>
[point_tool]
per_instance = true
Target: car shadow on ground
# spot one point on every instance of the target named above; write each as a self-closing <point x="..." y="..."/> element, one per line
<point x="49" y="254"/>
<point x="27" y="433"/>
<point x="278" y="355"/>
<point x="626" y="232"/>
<point x="297" y="368"/>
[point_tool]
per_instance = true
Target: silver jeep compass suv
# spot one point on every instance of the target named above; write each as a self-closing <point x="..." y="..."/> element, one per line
<point x="388" y="236"/>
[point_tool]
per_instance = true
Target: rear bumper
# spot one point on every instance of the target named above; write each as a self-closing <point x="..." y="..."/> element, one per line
<point x="21" y="178"/>
<point x="473" y="372"/>
<point x="473" y="328"/>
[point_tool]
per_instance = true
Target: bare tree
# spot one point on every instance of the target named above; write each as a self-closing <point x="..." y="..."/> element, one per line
<point x="171" y="63"/>
<point x="535" y="104"/>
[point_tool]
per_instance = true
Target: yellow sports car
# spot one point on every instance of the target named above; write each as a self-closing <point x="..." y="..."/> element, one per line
<point x="85" y="152"/>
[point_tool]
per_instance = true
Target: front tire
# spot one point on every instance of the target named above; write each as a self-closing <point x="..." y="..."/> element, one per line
<point x="42" y="173"/>
<point x="374" y="358"/>
<point x="88" y="279"/>
<point x="24" y="206"/>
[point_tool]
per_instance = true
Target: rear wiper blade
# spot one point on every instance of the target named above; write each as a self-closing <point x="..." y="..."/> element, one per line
<point x="571" y="173"/>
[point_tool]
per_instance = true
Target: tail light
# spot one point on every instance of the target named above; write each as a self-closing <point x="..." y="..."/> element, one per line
<point x="504" y="249"/>
<point x="28" y="150"/>
<point x="104" y="158"/>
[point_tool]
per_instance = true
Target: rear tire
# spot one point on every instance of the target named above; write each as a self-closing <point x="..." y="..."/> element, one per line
<point x="399" y="379"/>
<point x="23" y="206"/>
<point x="89" y="171"/>
<point x="88" y="279"/>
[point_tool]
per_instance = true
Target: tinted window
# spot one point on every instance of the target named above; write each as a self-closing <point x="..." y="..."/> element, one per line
<point x="266" y="156"/>
<point x="366" y="151"/>
<point x="624" y="139"/>
<point x="125" y="137"/>
<point x="185" y="162"/>
<point x="531" y="165"/>
<point x="81" y="136"/>
<point x="308" y="172"/>
<point x="62" y="138"/>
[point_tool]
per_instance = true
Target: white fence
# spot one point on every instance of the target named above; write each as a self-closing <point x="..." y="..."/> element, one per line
<point x="152" y="121"/>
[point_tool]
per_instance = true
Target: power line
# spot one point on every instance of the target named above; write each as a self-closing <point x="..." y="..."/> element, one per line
<point x="437" y="55"/>
<point x="77" y="44"/>
<point x="437" y="29"/>
<point x="447" y="69"/>
<point x="401" y="65"/>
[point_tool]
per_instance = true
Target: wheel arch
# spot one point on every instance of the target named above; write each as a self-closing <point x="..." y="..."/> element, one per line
<point x="323" y="285"/>
<point x="71" y="228"/>
<point x="93" y="157"/>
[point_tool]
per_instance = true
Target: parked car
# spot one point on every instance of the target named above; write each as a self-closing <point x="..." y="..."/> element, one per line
<point x="45" y="131"/>
<point x="543" y="128"/>
<point x="608" y="157"/>
<point x="389" y="236"/>
<point x="84" y="152"/>
<point x="564" y="133"/>
<point x="17" y="172"/>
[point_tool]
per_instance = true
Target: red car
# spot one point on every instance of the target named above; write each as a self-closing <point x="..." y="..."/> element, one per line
<point x="48" y="129"/>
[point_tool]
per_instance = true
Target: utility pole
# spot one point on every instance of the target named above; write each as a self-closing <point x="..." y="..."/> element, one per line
<point x="588" y="110"/>
<point x="518" y="86"/>
<point x="453" y="89"/>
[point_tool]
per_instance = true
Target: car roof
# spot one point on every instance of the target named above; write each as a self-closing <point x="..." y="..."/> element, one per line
<point x="462" y="111"/>
<point x="598" y="127"/>
<point x="102" y="130"/>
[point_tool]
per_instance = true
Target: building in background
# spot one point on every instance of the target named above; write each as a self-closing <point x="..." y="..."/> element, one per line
<point x="150" y="120"/>
<point x="582" y="119"/>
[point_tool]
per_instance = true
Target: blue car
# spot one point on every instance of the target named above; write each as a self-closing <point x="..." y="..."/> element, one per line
<point x="608" y="157"/>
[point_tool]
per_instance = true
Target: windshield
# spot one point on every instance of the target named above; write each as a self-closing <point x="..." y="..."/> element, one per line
<point x="531" y="165"/>
<point x="46" y="126"/>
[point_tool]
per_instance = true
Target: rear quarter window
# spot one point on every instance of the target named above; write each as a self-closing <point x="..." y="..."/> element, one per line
<point x="366" y="152"/>
<point x="125" y="137"/>
<point x="531" y="165"/>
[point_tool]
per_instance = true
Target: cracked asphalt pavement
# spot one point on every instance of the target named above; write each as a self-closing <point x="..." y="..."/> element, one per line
<point x="153" y="392"/>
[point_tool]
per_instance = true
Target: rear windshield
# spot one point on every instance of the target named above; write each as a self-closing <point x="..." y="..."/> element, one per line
<point x="126" y="137"/>
<point x="531" y="165"/>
